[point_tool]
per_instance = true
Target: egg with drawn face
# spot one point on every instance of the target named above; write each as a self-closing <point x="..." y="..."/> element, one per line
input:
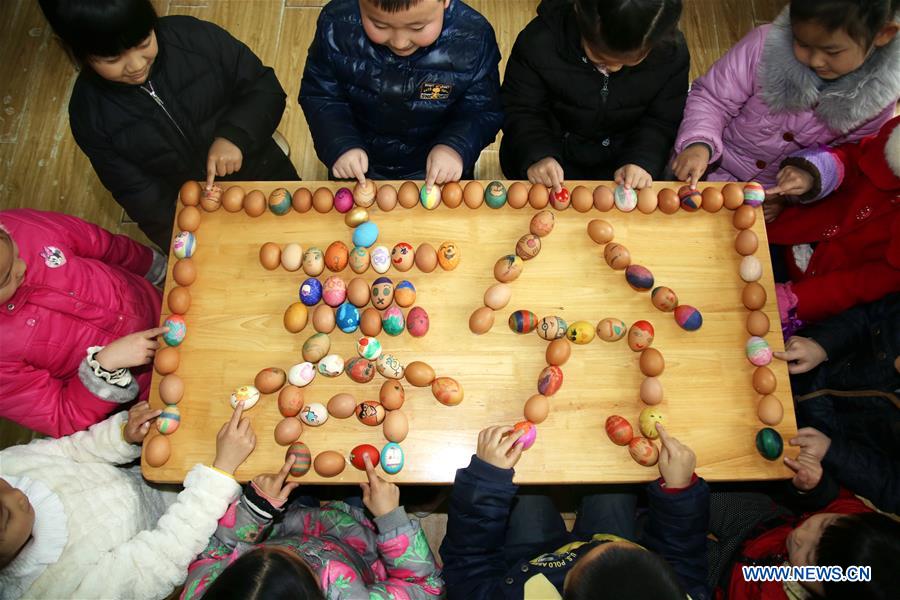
<point x="313" y="262"/>
<point x="381" y="259"/>
<point x="359" y="259"/>
<point x="402" y="256"/>
<point x="382" y="293"/>
<point x="448" y="256"/>
<point x="640" y="335"/>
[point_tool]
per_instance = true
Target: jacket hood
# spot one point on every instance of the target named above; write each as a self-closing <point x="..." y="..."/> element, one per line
<point x="843" y="104"/>
<point x="559" y="16"/>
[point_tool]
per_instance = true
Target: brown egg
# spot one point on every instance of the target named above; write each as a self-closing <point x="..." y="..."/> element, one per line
<point x="342" y="406"/>
<point x="323" y="318"/>
<point x="419" y="374"/>
<point x="508" y="268"/>
<point x="603" y="198"/>
<point x="582" y="199"/>
<point x="290" y="400"/>
<point x="754" y="296"/>
<point x="769" y="410"/>
<point x="358" y="292"/>
<point x="329" y="463"/>
<point x="617" y="256"/>
<point x="651" y="391"/>
<point x="211" y="200"/>
<point x="364" y="193"/>
<point x="497" y="296"/>
<point x="386" y="197"/>
<point x="744" y="217"/>
<point x="270" y="255"/>
<point x="301" y="200"/>
<point x="652" y="362"/>
<point x="295" y="317"/>
<point x="336" y="256"/>
<point x="288" y="431"/>
<point x="647" y="201"/>
<point x="481" y="320"/>
<point x="764" y="381"/>
<point x="179" y="300"/>
<point x="600" y="231"/>
<point x="171" y="389"/>
<point x="537" y="408"/>
<point x="255" y="203"/>
<point x="408" y="194"/>
<point x="392" y="395"/>
<point x="757" y="323"/>
<point x="452" y="194"/>
<point x="370" y="322"/>
<point x="166" y="360"/>
<point x="746" y="242"/>
<point x="538" y="196"/>
<point x="184" y="271"/>
<point x="473" y="194"/>
<point x="426" y="257"/>
<point x="190" y="193"/>
<point x="558" y="352"/>
<point x="233" y="199"/>
<point x="668" y="201"/>
<point x="270" y="380"/>
<point x="447" y="391"/>
<point x="157" y="450"/>
<point x="395" y="426"/>
<point x="712" y="199"/>
<point x="323" y="200"/>
<point x="517" y="195"/>
<point x="734" y="196"/>
<point x="189" y="218"/>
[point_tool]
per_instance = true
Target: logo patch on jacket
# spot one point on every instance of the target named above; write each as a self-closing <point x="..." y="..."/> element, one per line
<point x="53" y="257"/>
<point x="434" y="91"/>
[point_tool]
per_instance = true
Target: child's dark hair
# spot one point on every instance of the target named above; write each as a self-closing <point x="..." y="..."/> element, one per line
<point x="266" y="573"/>
<point x="626" y="26"/>
<point x="99" y="27"/>
<point x="624" y="572"/>
<point x="393" y="6"/>
<point x="861" y="19"/>
<point x="865" y="539"/>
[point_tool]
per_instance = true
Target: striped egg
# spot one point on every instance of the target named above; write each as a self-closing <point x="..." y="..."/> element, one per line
<point x="302" y="458"/>
<point x="754" y="194"/>
<point x="523" y="321"/>
<point x="691" y="198"/>
<point x="169" y="420"/>
<point x="639" y="277"/>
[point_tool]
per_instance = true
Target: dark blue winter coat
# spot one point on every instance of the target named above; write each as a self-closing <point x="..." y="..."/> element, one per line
<point x="356" y="94"/>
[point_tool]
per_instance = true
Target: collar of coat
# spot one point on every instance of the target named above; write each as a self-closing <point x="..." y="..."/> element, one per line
<point x="843" y="104"/>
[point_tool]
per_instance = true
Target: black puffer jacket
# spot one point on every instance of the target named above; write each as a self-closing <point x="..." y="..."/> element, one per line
<point x="211" y="85"/>
<point x="356" y="94"/>
<point x="557" y="104"/>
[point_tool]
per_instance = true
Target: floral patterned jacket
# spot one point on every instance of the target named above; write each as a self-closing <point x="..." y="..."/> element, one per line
<point x="351" y="557"/>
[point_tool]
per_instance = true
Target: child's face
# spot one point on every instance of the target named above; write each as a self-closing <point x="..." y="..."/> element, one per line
<point x="131" y="66"/>
<point x="803" y="542"/>
<point x="613" y="63"/>
<point x="833" y="54"/>
<point x="16" y="521"/>
<point x="405" y="31"/>
<point x="12" y="268"/>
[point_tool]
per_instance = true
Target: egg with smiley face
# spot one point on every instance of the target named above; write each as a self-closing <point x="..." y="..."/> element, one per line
<point x="382" y="293"/>
<point x="313" y="262"/>
<point x="448" y="256"/>
<point x="402" y="256"/>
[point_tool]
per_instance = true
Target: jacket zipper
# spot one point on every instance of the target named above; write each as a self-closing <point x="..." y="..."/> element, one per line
<point x="152" y="93"/>
<point x="604" y="92"/>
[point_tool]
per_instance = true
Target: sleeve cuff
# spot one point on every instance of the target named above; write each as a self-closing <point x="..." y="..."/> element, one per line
<point x="483" y="470"/>
<point x="672" y="490"/>
<point x="105" y="390"/>
<point x="157" y="273"/>
<point x="393" y="520"/>
<point x="714" y="152"/>
<point x="827" y="171"/>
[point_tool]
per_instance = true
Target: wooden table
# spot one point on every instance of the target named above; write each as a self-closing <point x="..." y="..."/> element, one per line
<point x="234" y="329"/>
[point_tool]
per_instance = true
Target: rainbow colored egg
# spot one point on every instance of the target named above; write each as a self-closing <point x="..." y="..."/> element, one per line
<point x="754" y="194"/>
<point x="177" y="330"/>
<point x="522" y="321"/>
<point x="347" y="317"/>
<point x="430" y="198"/>
<point x="392" y="458"/>
<point x="688" y="317"/>
<point x="758" y="351"/>
<point x="169" y="419"/>
<point x="550" y="380"/>
<point x="184" y="245"/>
<point x="495" y="194"/>
<point x="690" y="198"/>
<point x="310" y="291"/>
<point x="552" y="328"/>
<point x="639" y="277"/>
<point x="392" y="320"/>
<point x="625" y="198"/>
<point x="302" y="458"/>
<point x="280" y="201"/>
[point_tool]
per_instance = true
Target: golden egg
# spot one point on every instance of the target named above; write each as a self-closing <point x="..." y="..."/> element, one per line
<point x="517" y="195"/>
<point x="408" y="194"/>
<point x="189" y="218"/>
<point x="386" y="198"/>
<point x="537" y="408"/>
<point x="184" y="271"/>
<point x="270" y="255"/>
<point x="255" y="203"/>
<point x="301" y="200"/>
<point x="233" y="199"/>
<point x="481" y="320"/>
<point x="190" y="193"/>
<point x="179" y="300"/>
<point x="323" y="200"/>
<point x="603" y="198"/>
<point x="288" y="431"/>
<point x="473" y="194"/>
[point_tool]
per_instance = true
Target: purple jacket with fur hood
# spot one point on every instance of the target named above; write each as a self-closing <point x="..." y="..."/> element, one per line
<point x="758" y="104"/>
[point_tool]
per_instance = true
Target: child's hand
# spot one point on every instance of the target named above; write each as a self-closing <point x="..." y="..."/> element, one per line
<point x="224" y="158"/>
<point x="691" y="163"/>
<point x="812" y="442"/>
<point x="547" y="172"/>
<point x="772" y="207"/>
<point x="235" y="442"/>
<point x="379" y="496"/>
<point x="791" y="181"/>
<point x="496" y="446"/>
<point x="676" y="461"/>
<point x="132" y="350"/>
<point x="139" y="418"/>
<point x="807" y="471"/>
<point x="352" y="164"/>
<point x="273" y="485"/>
<point x="632" y="176"/>
<point x="444" y="164"/>
<point x="802" y="354"/>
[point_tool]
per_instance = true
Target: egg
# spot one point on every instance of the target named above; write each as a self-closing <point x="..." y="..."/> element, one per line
<point x="360" y="370"/>
<point x="329" y="463"/>
<point x="296" y="317"/>
<point x="369" y="348"/>
<point x="336" y="256"/>
<point x="408" y="194"/>
<point x="310" y="291"/>
<point x="580" y="332"/>
<point x="347" y="317"/>
<point x="389" y="366"/>
<point x="517" y="195"/>
<point x="753" y="296"/>
<point x="395" y="426"/>
<point x="619" y="430"/>
<point x="746" y="242"/>
<point x="419" y="374"/>
<point x="758" y="351"/>
<point x="292" y="257"/>
<point x="664" y="298"/>
<point x="247" y="394"/>
<point x="380" y="259"/>
<point x="452" y="194"/>
<point x="386" y="197"/>
<point x="287" y="431"/>
<point x="270" y="380"/>
<point x="508" y="268"/>
<point x="640" y="335"/>
<point x="448" y="255"/>
<point x="365" y="234"/>
<point x="497" y="296"/>
<point x="744" y="217"/>
<point x="552" y="327"/>
<point x="323" y="319"/>
<point x="254" y="203"/>
<point x="647" y="201"/>
<point x="522" y="321"/>
<point x="712" y="199"/>
<point x="562" y="199"/>
<point x="754" y="194"/>
<point x="495" y="194"/>
<point x="625" y="198"/>
<point x="647" y="421"/>
<point x="538" y="196"/>
<point x="331" y="365"/>
<point x="639" y="278"/>
<point x="157" y="450"/>
<point x="313" y="262"/>
<point x="290" y="400"/>
<point x="643" y="451"/>
<point x="189" y="218"/>
<point x="370" y="413"/>
<point x="364" y="193"/>
<point x="528" y="246"/>
<point x="430" y="197"/>
<point x="392" y="320"/>
<point x="323" y="200"/>
<point x="734" y="195"/>
<point x="426" y="258"/>
<point x="359" y="453"/>
<point x="184" y="272"/>
<point x="652" y="362"/>
<point x="550" y="380"/>
<point x="358" y="291"/>
<point x="270" y="256"/>
<point x="356" y="216"/>
<point x="617" y="256"/>
<point x="473" y="194"/>
<point x="603" y="198"/>
<point x="691" y="199"/>
<point x="189" y="194"/>
<point x="171" y="389"/>
<point x="542" y="223"/>
<point x="611" y="329"/>
<point x="169" y="420"/>
<point x="302" y="459"/>
<point x="769" y="443"/>
<point x="481" y="320"/>
<point x="334" y="291"/>
<point x="392" y="458"/>
<point x="668" y="201"/>
<point x="301" y="200"/>
<point x="166" y="360"/>
<point x="342" y="406"/>
<point x="403" y="256"/>
<point x="314" y="414"/>
<point x="769" y="410"/>
<point x="651" y="391"/>
<point x="417" y="322"/>
<point x="558" y="352"/>
<point x="280" y="201"/>
<point x="370" y="322"/>
<point x="582" y="199"/>
<point x="750" y="269"/>
<point x="528" y="438"/>
<point x="179" y="300"/>
<point x="764" y="381"/>
<point x="211" y="199"/>
<point x="343" y="200"/>
<point x="184" y="245"/>
<point x="537" y="408"/>
<point x="177" y="330"/>
<point x="600" y="231"/>
<point x="392" y="394"/>
<point x="688" y="317"/>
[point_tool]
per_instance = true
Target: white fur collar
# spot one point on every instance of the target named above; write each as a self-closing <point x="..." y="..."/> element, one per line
<point x="892" y="150"/>
<point x="843" y="104"/>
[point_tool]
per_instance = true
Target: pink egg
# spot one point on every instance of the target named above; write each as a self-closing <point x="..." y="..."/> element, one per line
<point x="417" y="322"/>
<point x="343" y="200"/>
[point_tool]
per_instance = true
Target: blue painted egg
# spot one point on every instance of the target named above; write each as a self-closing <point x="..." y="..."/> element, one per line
<point x="392" y="458"/>
<point x="365" y="234"/>
<point x="688" y="317"/>
<point x="310" y="291"/>
<point x="392" y="320"/>
<point x="177" y="330"/>
<point x="347" y="317"/>
<point x="280" y="201"/>
<point x="184" y="244"/>
<point x="495" y="194"/>
<point x="639" y="277"/>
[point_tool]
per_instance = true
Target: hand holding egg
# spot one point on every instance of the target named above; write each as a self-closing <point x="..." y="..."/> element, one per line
<point x="132" y="350"/>
<point x="379" y="496"/>
<point x="235" y="442"/>
<point x="676" y="461"/>
<point x="272" y="485"/>
<point x="497" y="446"/>
<point x="139" y="418"/>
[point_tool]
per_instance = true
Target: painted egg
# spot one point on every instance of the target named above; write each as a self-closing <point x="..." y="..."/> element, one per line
<point x="392" y="458"/>
<point x="316" y="347"/>
<point x="247" y="394"/>
<point x="395" y="426"/>
<point x="310" y="291"/>
<point x="447" y="391"/>
<point x="688" y="317"/>
<point x="754" y="194"/>
<point x="270" y="380"/>
<point x="171" y="389"/>
<point x="542" y="223"/>
<point x="392" y="395"/>
<point x="419" y="374"/>
<point x="359" y="259"/>
<point x="403" y="256"/>
<point x="179" y="299"/>
<point x="287" y="431"/>
<point x="643" y="451"/>
<point x="302" y="200"/>
<point x="538" y="196"/>
<point x="313" y="262"/>
<point x="280" y="201"/>
<point x="495" y="194"/>
<point x="370" y="413"/>
<point x="652" y="363"/>
<point x="184" y="272"/>
<point x="550" y="380"/>
<point x="358" y="291"/>
<point x="356" y="216"/>
<point x="744" y="217"/>
<point x="640" y="335"/>
<point x="528" y="246"/>
<point x="558" y="351"/>
<point x="691" y="199"/>
<point x="764" y="381"/>
<point x="426" y="257"/>
<point x="365" y="234"/>
<point x="358" y="454"/>
<point x="336" y="256"/>
<point x="750" y="269"/>
<point x="668" y="201"/>
<point x="370" y="322"/>
<point x="560" y="200"/>
<point x="342" y="406"/>
<point x="331" y="365"/>
<point x="292" y="257"/>
<point x="551" y="328"/>
<point x="769" y="410"/>
<point x="617" y="256"/>
<point x="537" y="408"/>
<point x="177" y="330"/>
<point x="364" y="193"/>
<point x="343" y="200"/>
<point x="600" y="231"/>
<point x="517" y="195"/>
<point x="639" y="277"/>
<point x="211" y="199"/>
<point x="368" y="348"/>
<point x="664" y="298"/>
<point x="405" y="293"/>
<point x="625" y="198"/>
<point x="580" y="332"/>
<point x="392" y="320"/>
<point x="528" y="438"/>
<point x="329" y="463"/>
<point x="758" y="351"/>
<point x="166" y="360"/>
<point x="302" y="374"/>
<point x="753" y="296"/>
<point x="270" y="255"/>
<point x="290" y="400"/>
<point x="255" y="203"/>
<point x="157" y="450"/>
<point x="430" y="197"/>
<point x="619" y="430"/>
<point x="611" y="330"/>
<point x="389" y="366"/>
<point x="334" y="291"/>
<point x="302" y="458"/>
<point x="448" y="256"/>
<point x="382" y="293"/>
<point x="314" y="414"/>
<point x="168" y="420"/>
<point x="523" y="321"/>
<point x="184" y="245"/>
<point x="473" y="194"/>
<point x="508" y="268"/>
<point x="386" y="197"/>
<point x="417" y="321"/>
<point x="647" y="421"/>
<point x="769" y="443"/>
<point x="360" y="370"/>
<point x="347" y="317"/>
<point x="481" y="320"/>
<point x="651" y="391"/>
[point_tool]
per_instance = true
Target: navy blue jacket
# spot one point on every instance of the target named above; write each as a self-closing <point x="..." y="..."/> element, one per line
<point x="480" y="505"/>
<point x="356" y="94"/>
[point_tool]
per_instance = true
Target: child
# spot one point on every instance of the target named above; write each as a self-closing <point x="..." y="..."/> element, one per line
<point x="79" y="310"/>
<point x="402" y="89"/>
<point x="75" y="525"/>
<point x="485" y="559"/>
<point x="262" y="551"/>
<point x="161" y="101"/>
<point x="825" y="72"/>
<point x="594" y="89"/>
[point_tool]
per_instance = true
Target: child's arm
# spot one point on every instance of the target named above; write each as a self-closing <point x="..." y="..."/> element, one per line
<point x="408" y="560"/>
<point x="824" y="296"/>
